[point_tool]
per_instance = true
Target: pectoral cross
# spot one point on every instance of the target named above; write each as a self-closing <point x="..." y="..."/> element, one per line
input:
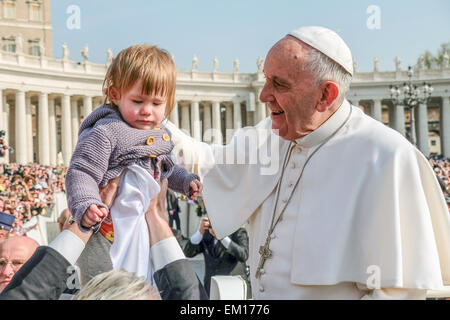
<point x="265" y="253"/>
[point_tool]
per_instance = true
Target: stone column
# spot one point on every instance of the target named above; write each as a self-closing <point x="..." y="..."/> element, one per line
<point x="174" y="115"/>
<point x="398" y="120"/>
<point x="29" y="130"/>
<point x="66" y="131"/>
<point x="52" y="131"/>
<point x="206" y="123"/>
<point x="185" y="123"/>
<point x="2" y="106"/>
<point x="260" y="109"/>
<point x="75" y="122"/>
<point x="207" y="117"/>
<point x="87" y="106"/>
<point x="422" y="129"/>
<point x="5" y="117"/>
<point x="2" y="122"/>
<point x="445" y="127"/>
<point x="195" y="120"/>
<point x="228" y="122"/>
<point x="44" y="138"/>
<point x="216" y="123"/>
<point x="229" y="117"/>
<point x="237" y="121"/>
<point x="376" y="110"/>
<point x="21" y="134"/>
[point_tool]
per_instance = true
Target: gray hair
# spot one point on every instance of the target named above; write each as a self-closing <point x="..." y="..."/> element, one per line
<point x="323" y="69"/>
<point x="118" y="285"/>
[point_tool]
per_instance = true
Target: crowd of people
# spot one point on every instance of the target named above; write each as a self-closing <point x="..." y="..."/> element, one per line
<point x="28" y="190"/>
<point x="441" y="167"/>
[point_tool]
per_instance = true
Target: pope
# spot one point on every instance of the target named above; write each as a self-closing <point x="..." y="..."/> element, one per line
<point x="352" y="211"/>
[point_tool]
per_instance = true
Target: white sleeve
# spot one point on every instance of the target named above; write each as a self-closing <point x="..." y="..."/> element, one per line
<point x="226" y="242"/>
<point x="68" y="245"/>
<point x="196" y="238"/>
<point x="165" y="252"/>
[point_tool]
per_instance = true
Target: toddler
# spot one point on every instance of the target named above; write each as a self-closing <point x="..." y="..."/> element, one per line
<point x="126" y="131"/>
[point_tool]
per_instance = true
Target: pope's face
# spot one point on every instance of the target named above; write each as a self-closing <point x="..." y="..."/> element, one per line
<point x="289" y="92"/>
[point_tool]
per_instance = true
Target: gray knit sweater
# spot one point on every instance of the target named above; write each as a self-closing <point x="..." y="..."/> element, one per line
<point x="106" y="146"/>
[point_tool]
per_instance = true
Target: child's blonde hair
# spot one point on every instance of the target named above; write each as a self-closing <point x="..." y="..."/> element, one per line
<point x="147" y="62"/>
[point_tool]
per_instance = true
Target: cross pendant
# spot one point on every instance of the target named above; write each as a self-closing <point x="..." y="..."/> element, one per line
<point x="265" y="253"/>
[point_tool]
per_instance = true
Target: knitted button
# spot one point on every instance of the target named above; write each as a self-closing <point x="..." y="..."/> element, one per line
<point x="157" y="128"/>
<point x="166" y="137"/>
<point x="150" y="141"/>
<point x="152" y="155"/>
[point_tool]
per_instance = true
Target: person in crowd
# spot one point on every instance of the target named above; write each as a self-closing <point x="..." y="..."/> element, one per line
<point x="14" y="253"/>
<point x="222" y="257"/>
<point x="174" y="209"/>
<point x="342" y="197"/>
<point x="6" y="225"/>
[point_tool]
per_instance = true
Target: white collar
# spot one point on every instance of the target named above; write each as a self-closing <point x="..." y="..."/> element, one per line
<point x="327" y="128"/>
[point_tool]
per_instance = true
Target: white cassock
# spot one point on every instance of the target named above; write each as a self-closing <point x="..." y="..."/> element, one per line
<point x="367" y="219"/>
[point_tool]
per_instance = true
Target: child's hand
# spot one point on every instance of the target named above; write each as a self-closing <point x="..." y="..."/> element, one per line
<point x="195" y="188"/>
<point x="93" y="215"/>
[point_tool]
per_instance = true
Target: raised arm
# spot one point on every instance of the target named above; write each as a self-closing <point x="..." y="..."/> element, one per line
<point x="174" y="276"/>
<point x="180" y="179"/>
<point x="88" y="165"/>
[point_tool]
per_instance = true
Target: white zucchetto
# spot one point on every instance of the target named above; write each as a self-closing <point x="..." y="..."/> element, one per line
<point x="328" y="42"/>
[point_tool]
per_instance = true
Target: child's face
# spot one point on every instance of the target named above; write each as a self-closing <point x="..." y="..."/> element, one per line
<point x="139" y="110"/>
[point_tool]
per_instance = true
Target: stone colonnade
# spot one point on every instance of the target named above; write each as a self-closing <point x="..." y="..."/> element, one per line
<point x="41" y="126"/>
<point x="420" y="120"/>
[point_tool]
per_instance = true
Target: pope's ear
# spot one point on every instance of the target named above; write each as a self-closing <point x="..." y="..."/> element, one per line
<point x="330" y="91"/>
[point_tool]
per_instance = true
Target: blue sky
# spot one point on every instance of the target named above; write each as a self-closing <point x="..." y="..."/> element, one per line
<point x="246" y="29"/>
